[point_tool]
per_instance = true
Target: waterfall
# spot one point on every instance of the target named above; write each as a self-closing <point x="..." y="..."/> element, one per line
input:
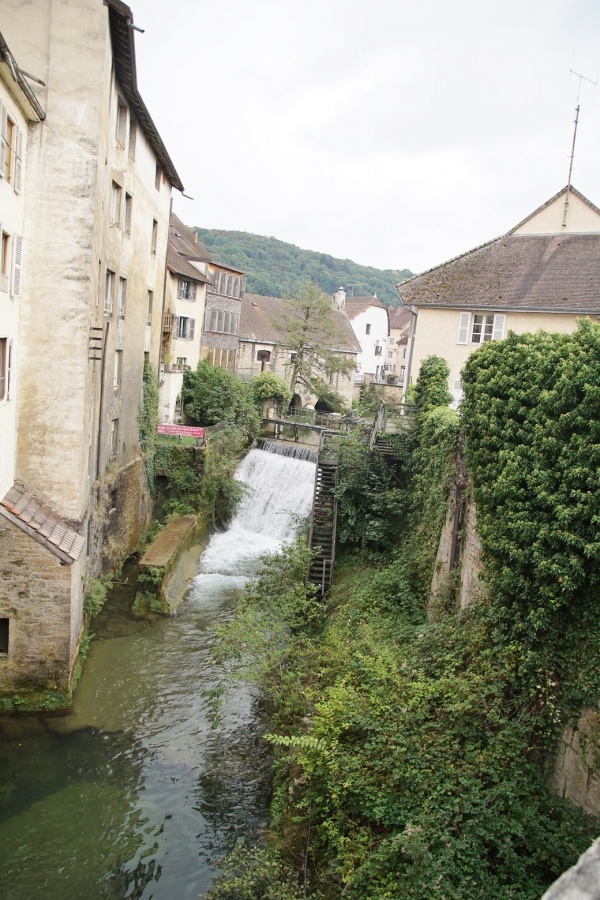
<point x="297" y="451"/>
<point x="279" y="491"/>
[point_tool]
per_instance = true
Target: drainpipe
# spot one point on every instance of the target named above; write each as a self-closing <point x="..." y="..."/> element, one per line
<point x="101" y="404"/>
<point x="411" y="344"/>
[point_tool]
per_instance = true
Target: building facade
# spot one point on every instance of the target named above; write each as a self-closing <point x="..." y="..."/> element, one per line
<point x="541" y="275"/>
<point x="262" y="346"/>
<point x="185" y="303"/>
<point x="370" y="322"/>
<point x="97" y="189"/>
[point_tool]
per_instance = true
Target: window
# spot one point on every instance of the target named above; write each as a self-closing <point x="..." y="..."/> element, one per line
<point x="263" y="357"/>
<point x="121" y="125"/>
<point x="187" y="290"/>
<point x="367" y="329"/>
<point x="390" y="354"/>
<point x="377" y="349"/>
<point x="4" y="368"/>
<point x="391" y="341"/>
<point x="4" y="262"/>
<point x="475" y="328"/>
<point x="154" y="236"/>
<point x="185" y="328"/>
<point x="118" y="370"/>
<point x="221" y="321"/>
<point x="127" y="217"/>
<point x="109" y="292"/>
<point x="122" y="296"/>
<point x="158" y="177"/>
<point x="149" y="302"/>
<point x="17" y="247"/>
<point x="219" y="356"/>
<point x="115" y="204"/>
<point x="4" y="629"/>
<point x="11" y="149"/>
<point x="114" y="437"/>
<point x="182" y="361"/>
<point x="132" y="137"/>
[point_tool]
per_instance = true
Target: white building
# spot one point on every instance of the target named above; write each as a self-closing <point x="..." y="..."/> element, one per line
<point x="185" y="303"/>
<point x="18" y="107"/>
<point x="370" y="322"/>
<point x="97" y="189"/>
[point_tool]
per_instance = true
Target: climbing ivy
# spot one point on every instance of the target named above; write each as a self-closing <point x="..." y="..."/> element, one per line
<point x="148" y="420"/>
<point x="531" y="415"/>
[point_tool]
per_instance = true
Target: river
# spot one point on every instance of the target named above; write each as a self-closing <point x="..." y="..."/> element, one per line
<point x="133" y="794"/>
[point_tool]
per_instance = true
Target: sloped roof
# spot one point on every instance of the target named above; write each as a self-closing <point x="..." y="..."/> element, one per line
<point x="185" y="241"/>
<point x="123" y="45"/>
<point x="559" y="273"/>
<point x="400" y="318"/>
<point x="259" y="316"/>
<point x="29" y="101"/>
<point x="356" y="305"/>
<point x="178" y="265"/>
<point x="38" y="521"/>
<point x="561" y="193"/>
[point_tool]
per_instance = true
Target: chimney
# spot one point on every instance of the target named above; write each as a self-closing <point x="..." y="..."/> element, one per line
<point x="339" y="299"/>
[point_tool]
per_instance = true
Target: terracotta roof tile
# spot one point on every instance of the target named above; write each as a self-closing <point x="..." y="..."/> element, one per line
<point x="547" y="272"/>
<point x="259" y="317"/>
<point x="26" y="511"/>
<point x="356" y="305"/>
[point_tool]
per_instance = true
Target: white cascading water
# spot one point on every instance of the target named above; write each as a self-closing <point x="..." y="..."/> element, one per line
<point x="279" y="495"/>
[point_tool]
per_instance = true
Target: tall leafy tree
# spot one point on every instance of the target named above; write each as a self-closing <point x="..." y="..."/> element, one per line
<point x="311" y="330"/>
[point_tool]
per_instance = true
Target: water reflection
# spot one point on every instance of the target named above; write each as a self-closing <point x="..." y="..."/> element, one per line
<point x="133" y="794"/>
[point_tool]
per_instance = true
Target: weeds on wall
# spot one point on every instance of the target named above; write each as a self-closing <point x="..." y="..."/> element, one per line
<point x="148" y="421"/>
<point x="409" y="754"/>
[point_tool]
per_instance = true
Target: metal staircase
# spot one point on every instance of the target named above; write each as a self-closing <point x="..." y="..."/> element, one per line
<point x="324" y="516"/>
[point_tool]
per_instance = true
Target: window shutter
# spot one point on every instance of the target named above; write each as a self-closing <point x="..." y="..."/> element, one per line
<point x="192" y="326"/>
<point x="3" y="139"/>
<point x="499" y="323"/>
<point x="17" y="263"/>
<point x="175" y="325"/>
<point x="8" y="368"/>
<point x="193" y="288"/>
<point x="464" y="320"/>
<point x="18" y="161"/>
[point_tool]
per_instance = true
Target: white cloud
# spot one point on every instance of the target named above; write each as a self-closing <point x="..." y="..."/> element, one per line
<point x="397" y="134"/>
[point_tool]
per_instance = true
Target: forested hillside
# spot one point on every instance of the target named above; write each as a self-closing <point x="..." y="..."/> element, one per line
<point x="274" y="268"/>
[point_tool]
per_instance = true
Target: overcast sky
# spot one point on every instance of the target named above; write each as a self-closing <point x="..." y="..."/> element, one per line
<point x="396" y="134"/>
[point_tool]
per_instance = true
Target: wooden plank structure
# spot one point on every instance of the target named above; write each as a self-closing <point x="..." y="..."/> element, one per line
<point x="324" y="515"/>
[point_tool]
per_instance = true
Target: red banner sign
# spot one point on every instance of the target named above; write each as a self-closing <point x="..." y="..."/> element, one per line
<point x="187" y="430"/>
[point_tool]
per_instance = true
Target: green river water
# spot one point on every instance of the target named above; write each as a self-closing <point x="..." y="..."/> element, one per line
<point x="133" y="794"/>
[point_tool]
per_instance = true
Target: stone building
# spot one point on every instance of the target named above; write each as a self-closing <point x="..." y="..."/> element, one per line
<point x="97" y="192"/>
<point x="226" y="291"/>
<point x="262" y="346"/>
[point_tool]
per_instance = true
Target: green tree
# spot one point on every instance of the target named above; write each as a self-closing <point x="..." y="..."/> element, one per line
<point x="267" y="386"/>
<point x="431" y="389"/>
<point x="211" y="395"/>
<point x="310" y="330"/>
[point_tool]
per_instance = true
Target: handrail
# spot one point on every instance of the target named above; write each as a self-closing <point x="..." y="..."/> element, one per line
<point x="379" y="424"/>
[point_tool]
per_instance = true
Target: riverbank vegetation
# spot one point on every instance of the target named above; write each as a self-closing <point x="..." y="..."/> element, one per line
<point x="411" y="755"/>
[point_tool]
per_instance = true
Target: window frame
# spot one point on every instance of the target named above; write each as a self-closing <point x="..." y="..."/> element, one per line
<point x="466" y="326"/>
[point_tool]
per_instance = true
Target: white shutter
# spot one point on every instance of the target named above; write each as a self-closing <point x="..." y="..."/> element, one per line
<point x="17" y="263"/>
<point x="18" y="161"/>
<point x="3" y="139"/>
<point x="192" y="326"/>
<point x="499" y="322"/>
<point x="464" y="320"/>
<point x="8" y="368"/>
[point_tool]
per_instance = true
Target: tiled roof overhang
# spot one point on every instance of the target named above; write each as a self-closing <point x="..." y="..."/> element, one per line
<point x="37" y="520"/>
<point x="121" y="33"/>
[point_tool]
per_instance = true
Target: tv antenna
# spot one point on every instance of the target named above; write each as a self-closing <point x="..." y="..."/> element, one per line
<point x="581" y="78"/>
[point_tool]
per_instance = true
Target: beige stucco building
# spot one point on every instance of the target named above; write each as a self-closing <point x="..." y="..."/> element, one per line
<point x="97" y="191"/>
<point x="185" y="303"/>
<point x="543" y="275"/>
